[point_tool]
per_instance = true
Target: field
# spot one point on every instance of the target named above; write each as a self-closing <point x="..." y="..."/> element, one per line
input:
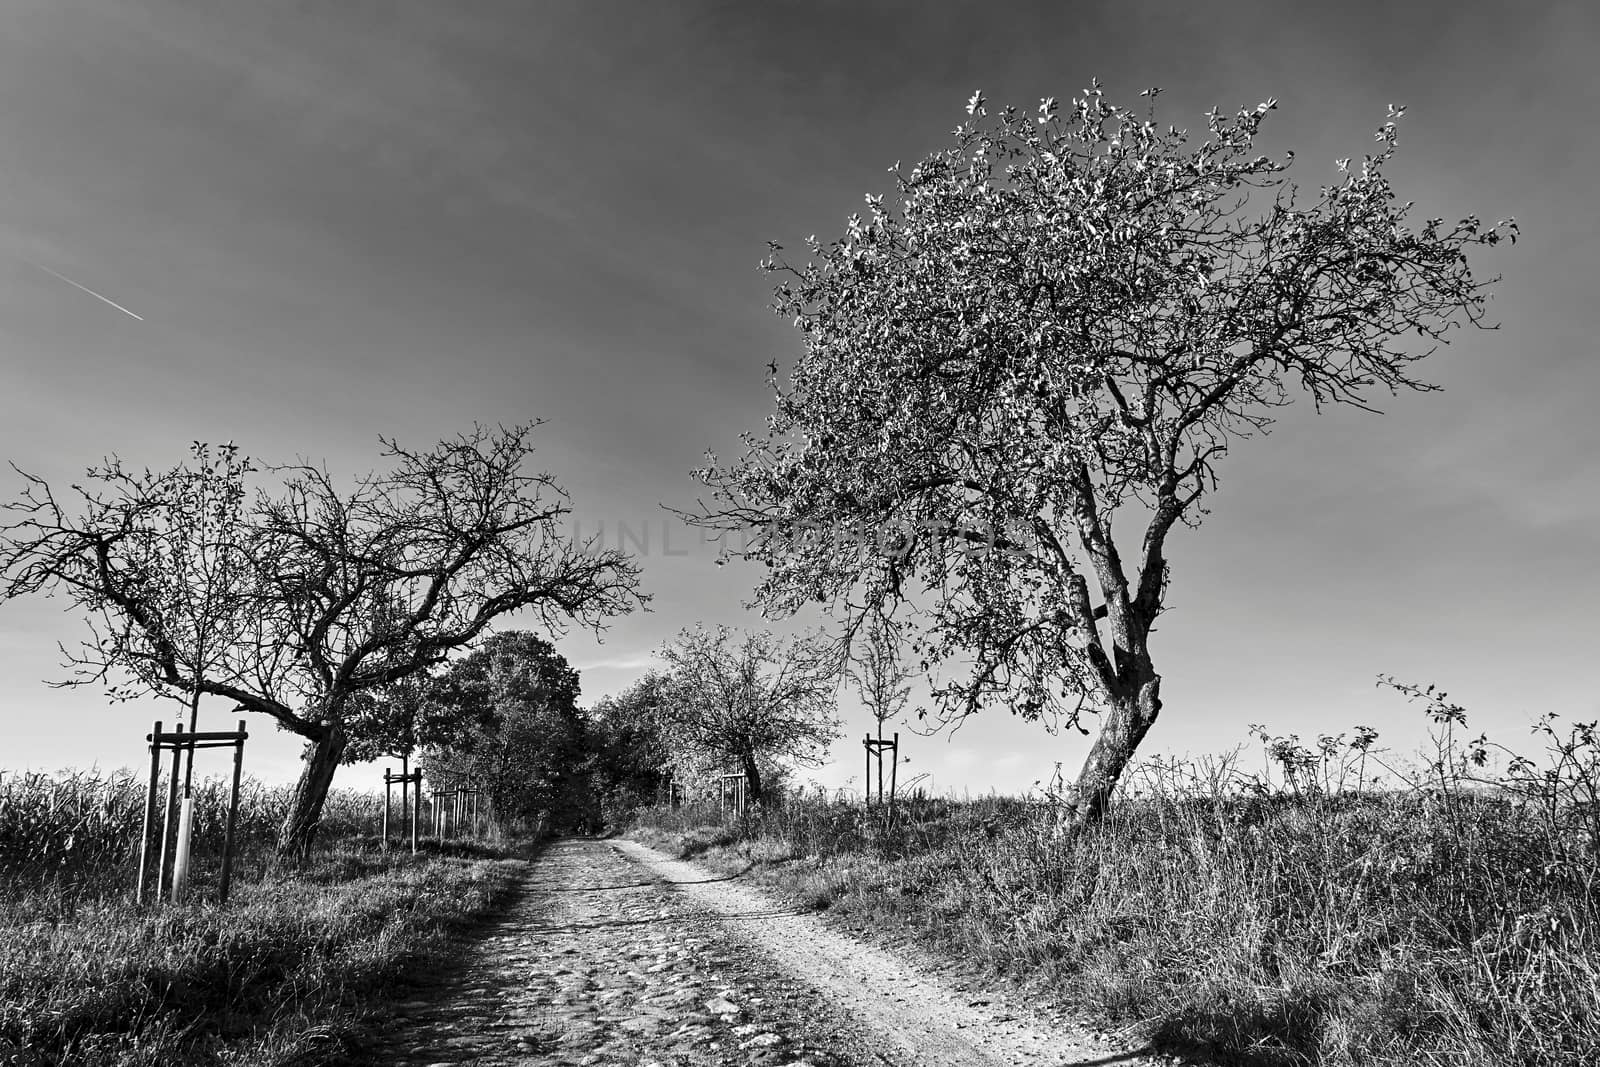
<point x="283" y="973"/>
<point x="1324" y="918"/>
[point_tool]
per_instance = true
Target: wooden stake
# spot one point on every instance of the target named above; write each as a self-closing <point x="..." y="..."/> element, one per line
<point x="894" y="769"/>
<point x="416" y="811"/>
<point x="405" y="788"/>
<point x="169" y="827"/>
<point x="149" y="816"/>
<point x="233" y="817"/>
<point x="866" y="778"/>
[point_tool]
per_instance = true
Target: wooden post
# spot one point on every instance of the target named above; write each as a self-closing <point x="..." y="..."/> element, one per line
<point x="880" y="763"/>
<point x="169" y="827"/>
<point x="233" y="816"/>
<point x="149" y="815"/>
<point x="416" y="812"/>
<point x="866" y="779"/>
<point x="388" y="790"/>
<point x="894" y="769"/>
<point x="405" y="785"/>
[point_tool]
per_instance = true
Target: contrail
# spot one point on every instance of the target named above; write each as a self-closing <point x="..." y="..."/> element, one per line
<point x="88" y="290"/>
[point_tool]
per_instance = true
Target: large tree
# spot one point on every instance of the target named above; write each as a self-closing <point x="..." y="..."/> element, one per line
<point x="749" y="699"/>
<point x="351" y="588"/>
<point x="1020" y="378"/>
<point x="631" y="758"/>
<point x="518" y="733"/>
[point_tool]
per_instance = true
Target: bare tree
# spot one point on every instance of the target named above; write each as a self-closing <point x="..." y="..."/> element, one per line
<point x="881" y="679"/>
<point x="349" y="590"/>
<point x="879" y="674"/>
<point x="162" y="560"/>
<point x="1056" y="335"/>
<point x="750" y="698"/>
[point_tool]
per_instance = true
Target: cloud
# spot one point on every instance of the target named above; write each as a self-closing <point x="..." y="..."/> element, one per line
<point x="631" y="662"/>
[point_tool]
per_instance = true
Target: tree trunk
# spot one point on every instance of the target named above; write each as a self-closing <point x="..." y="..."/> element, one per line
<point x="299" y="829"/>
<point x="1126" y="724"/>
<point x="752" y="779"/>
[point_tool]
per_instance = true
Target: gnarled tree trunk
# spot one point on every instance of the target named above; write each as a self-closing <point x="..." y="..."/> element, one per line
<point x="299" y="830"/>
<point x="1130" y="717"/>
<point x="752" y="779"/>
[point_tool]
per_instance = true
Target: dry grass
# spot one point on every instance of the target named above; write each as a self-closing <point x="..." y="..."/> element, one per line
<point x="284" y="974"/>
<point x="78" y="831"/>
<point x="1441" y="920"/>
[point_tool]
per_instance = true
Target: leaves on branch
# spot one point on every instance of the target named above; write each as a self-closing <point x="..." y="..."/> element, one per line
<point x="1053" y="336"/>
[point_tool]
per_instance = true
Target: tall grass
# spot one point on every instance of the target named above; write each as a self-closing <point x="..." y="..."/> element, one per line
<point x="78" y="831"/>
<point x="1442" y="916"/>
<point x="284" y="974"/>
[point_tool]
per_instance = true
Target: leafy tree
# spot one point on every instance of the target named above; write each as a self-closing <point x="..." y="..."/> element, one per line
<point x="750" y="698"/>
<point x="1017" y="381"/>
<point x="631" y="757"/>
<point x="398" y="719"/>
<point x="520" y="735"/>
<point x="349" y="590"/>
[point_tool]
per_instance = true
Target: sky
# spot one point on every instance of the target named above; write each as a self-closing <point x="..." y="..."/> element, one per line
<point x="335" y="221"/>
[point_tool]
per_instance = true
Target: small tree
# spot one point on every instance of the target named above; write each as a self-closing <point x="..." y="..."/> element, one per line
<point x="349" y="590"/>
<point x="178" y="541"/>
<point x="161" y="559"/>
<point x="749" y="698"/>
<point x="1021" y="378"/>
<point x="881" y="680"/>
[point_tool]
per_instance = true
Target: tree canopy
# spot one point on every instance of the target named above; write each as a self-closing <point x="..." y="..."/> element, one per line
<point x="1019" y="377"/>
<point x="633" y="759"/>
<point x="520" y="735"/>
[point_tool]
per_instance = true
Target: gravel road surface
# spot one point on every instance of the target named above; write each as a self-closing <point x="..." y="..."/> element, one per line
<point x="616" y="954"/>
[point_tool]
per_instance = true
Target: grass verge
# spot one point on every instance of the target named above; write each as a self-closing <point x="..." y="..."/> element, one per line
<point x="284" y="974"/>
<point x="1439" y="925"/>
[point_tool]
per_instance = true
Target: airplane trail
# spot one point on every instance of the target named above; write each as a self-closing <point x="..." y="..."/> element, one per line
<point x="88" y="290"/>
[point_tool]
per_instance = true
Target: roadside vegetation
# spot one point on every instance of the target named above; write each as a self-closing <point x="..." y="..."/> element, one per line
<point x="286" y="972"/>
<point x="1337" y="908"/>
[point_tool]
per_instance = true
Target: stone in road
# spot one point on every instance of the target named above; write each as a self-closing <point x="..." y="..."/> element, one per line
<point x="618" y="955"/>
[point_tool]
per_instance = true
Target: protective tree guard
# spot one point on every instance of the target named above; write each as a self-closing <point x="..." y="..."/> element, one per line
<point x="876" y="747"/>
<point x="410" y="814"/>
<point x="181" y="742"/>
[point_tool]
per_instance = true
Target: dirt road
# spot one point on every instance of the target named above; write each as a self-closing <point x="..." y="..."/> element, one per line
<point x="618" y="955"/>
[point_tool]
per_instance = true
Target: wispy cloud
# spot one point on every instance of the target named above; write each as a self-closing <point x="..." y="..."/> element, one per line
<point x="634" y="662"/>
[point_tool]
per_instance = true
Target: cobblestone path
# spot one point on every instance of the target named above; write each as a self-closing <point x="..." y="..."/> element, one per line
<point x="616" y="956"/>
<point x="602" y="963"/>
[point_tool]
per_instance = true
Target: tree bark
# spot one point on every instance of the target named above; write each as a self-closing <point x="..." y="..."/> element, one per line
<point x="752" y="779"/>
<point x="299" y="830"/>
<point x="1128" y="720"/>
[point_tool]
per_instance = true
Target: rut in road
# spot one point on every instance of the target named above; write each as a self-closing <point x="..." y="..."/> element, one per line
<point x="616" y="954"/>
